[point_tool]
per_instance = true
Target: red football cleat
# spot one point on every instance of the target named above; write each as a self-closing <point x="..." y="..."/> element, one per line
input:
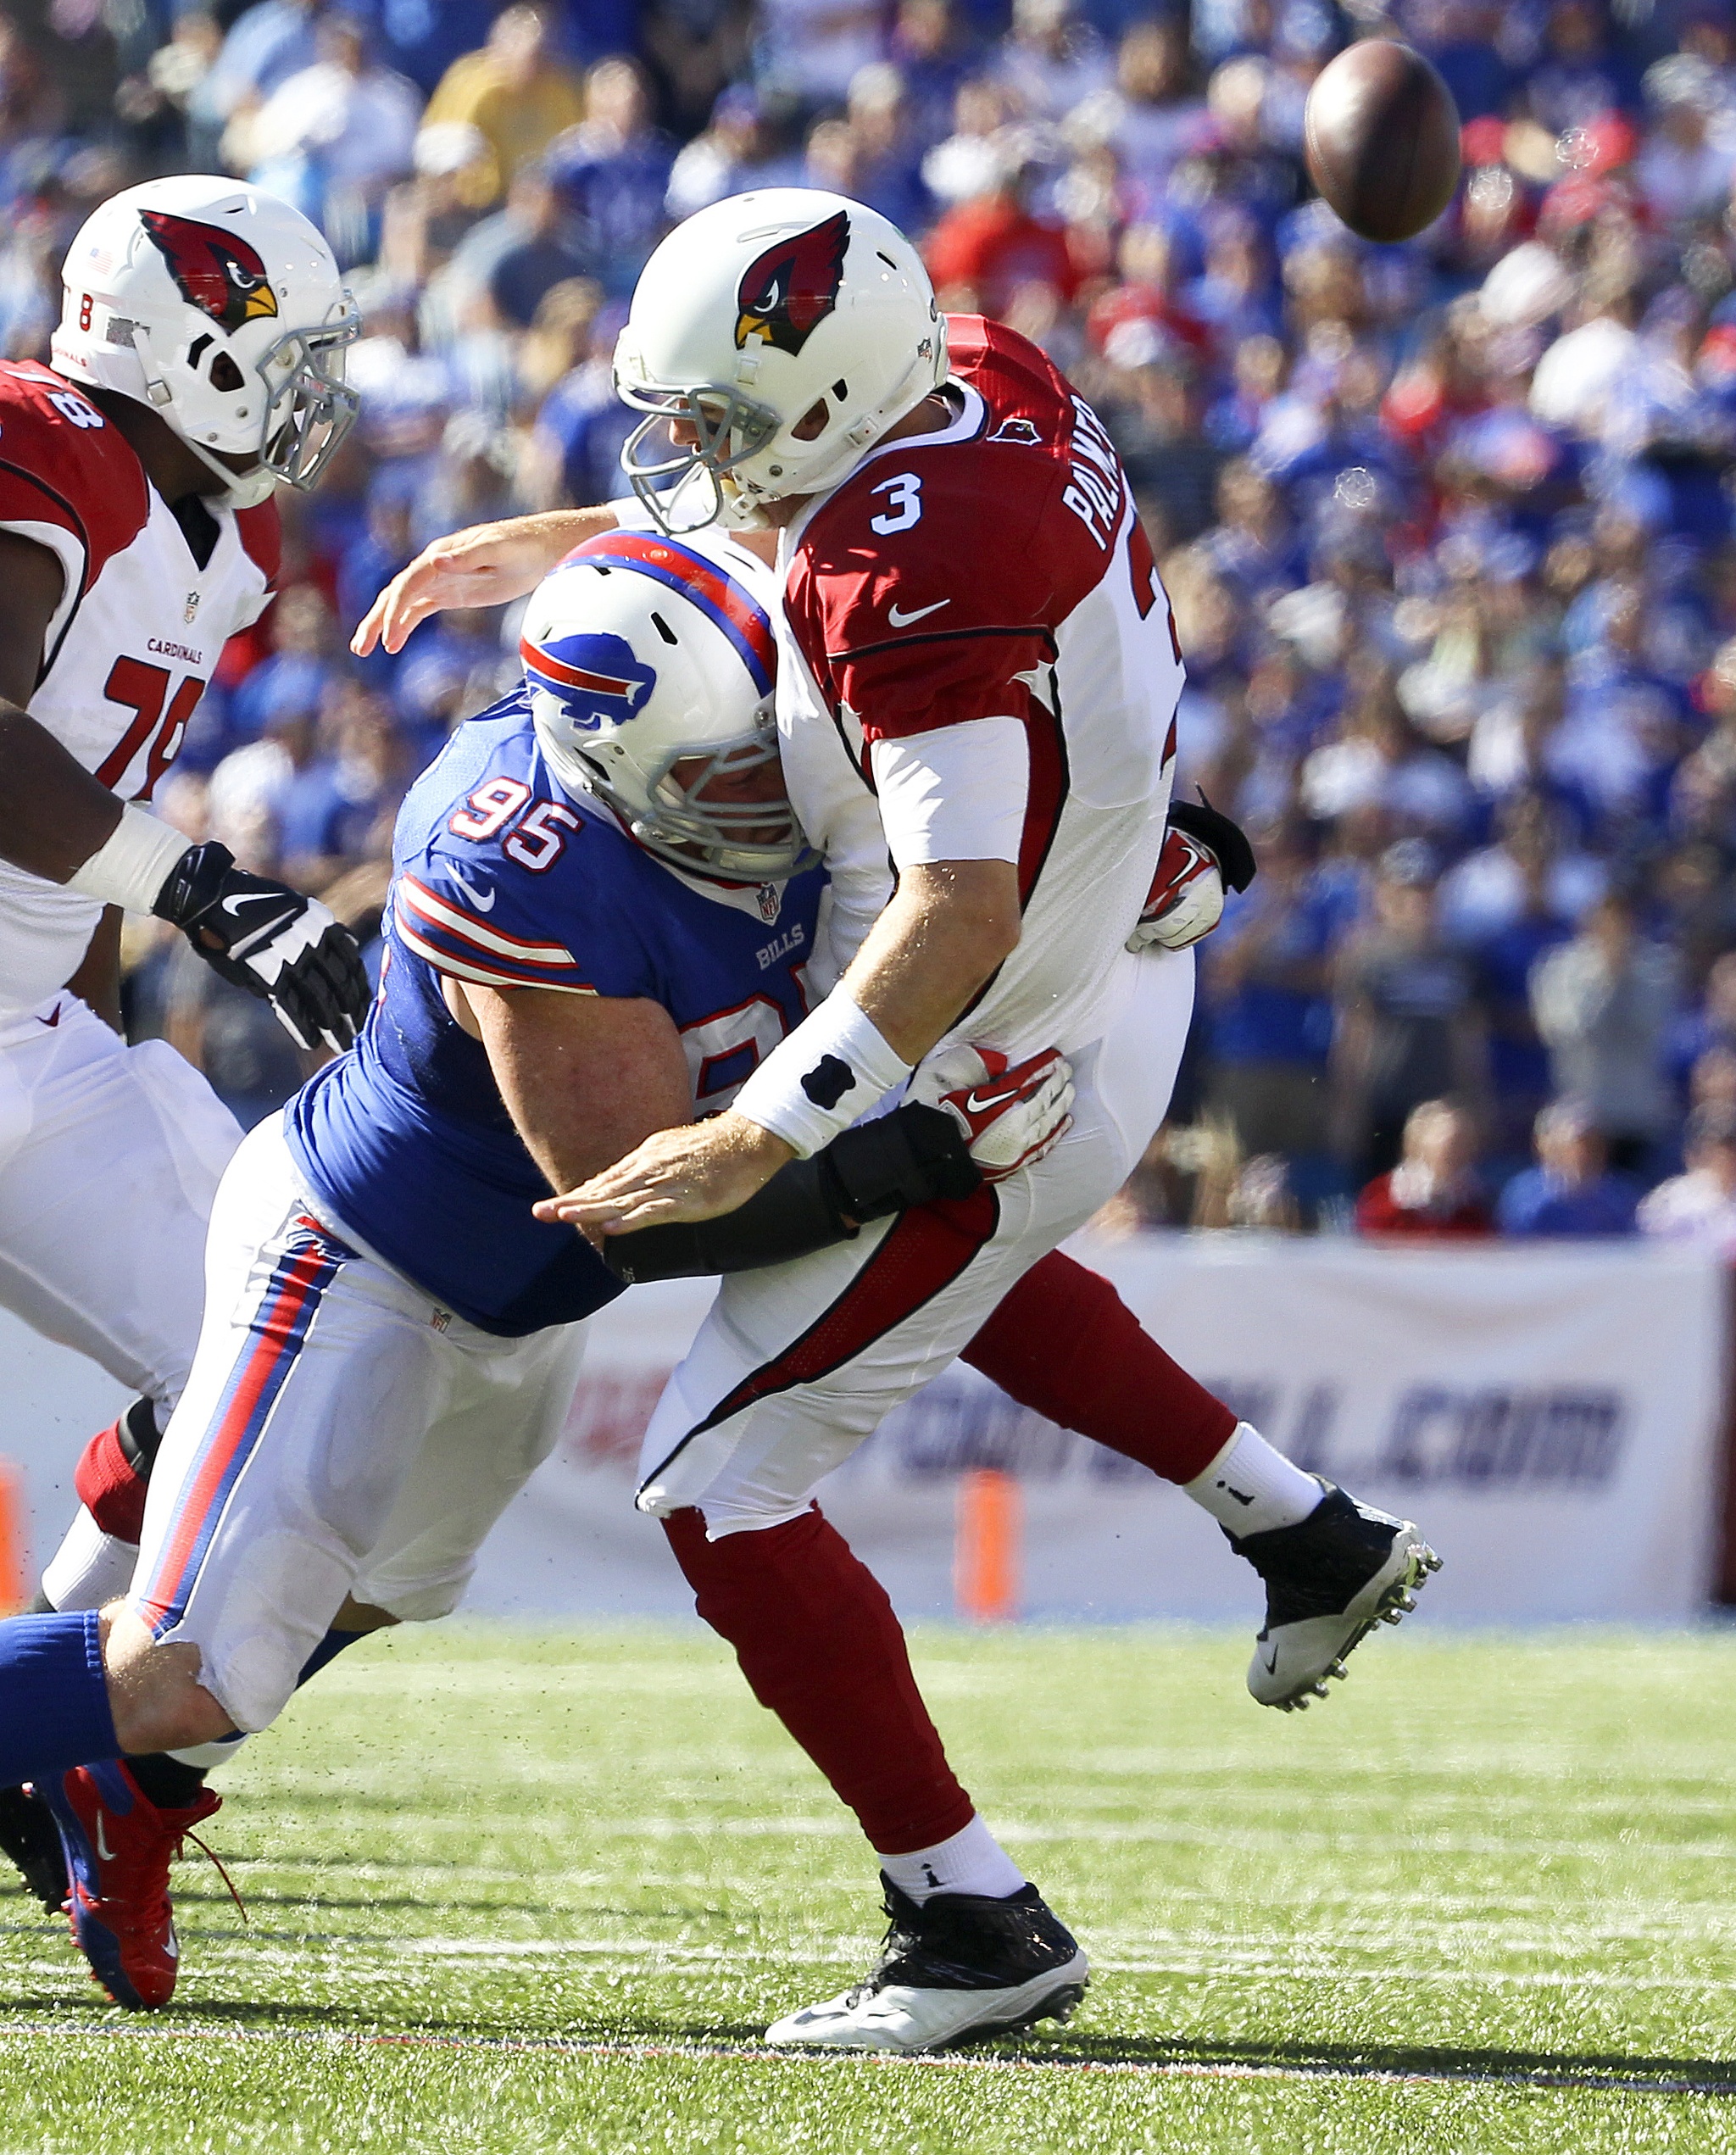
<point x="119" y="1846"/>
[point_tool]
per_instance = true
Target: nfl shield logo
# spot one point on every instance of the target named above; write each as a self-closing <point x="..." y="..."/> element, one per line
<point x="191" y="608"/>
<point x="771" y="904"/>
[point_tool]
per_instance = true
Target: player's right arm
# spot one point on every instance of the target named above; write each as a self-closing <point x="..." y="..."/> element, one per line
<point x="490" y="564"/>
<point x="60" y="823"/>
<point x="53" y="814"/>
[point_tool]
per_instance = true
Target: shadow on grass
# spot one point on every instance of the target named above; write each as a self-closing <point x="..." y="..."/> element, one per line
<point x="700" y="2039"/>
<point x="1421" y="2060"/>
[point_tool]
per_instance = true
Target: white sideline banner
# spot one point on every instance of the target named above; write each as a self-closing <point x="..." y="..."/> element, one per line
<point x="1551" y="1415"/>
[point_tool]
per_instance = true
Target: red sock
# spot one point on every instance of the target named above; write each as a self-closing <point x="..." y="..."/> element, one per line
<point x="819" y="1646"/>
<point x="1064" y="1344"/>
<point x="110" y="1486"/>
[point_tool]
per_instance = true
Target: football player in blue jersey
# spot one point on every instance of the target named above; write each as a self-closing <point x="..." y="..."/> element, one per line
<point x="602" y="914"/>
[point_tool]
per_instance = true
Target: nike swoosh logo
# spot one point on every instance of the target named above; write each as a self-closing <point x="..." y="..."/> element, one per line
<point x="981" y="1103"/>
<point x="171" y="1945"/>
<point x="1271" y="1663"/>
<point x="250" y="897"/>
<point x="52" y="1020"/>
<point x="919" y="612"/>
<point x="103" y="1851"/>
<point x="483" y="901"/>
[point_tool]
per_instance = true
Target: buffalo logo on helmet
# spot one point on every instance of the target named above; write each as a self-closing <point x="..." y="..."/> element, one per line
<point x="214" y="269"/>
<point x="596" y="679"/>
<point x="791" y="288"/>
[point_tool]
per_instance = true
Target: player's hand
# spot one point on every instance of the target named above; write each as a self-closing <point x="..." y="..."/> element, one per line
<point x="1011" y="1116"/>
<point x="488" y="566"/>
<point x="691" y="1173"/>
<point x="1203" y="850"/>
<point x="261" y="935"/>
<point x="1186" y="901"/>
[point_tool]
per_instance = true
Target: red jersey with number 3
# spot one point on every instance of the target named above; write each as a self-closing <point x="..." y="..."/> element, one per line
<point x="137" y="634"/>
<point x="993" y="569"/>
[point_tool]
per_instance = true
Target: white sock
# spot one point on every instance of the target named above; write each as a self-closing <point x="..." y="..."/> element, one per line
<point x="972" y="1862"/>
<point x="1251" y="1488"/>
<point x="218" y="1752"/>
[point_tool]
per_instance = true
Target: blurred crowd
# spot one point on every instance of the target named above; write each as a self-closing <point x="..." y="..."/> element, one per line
<point x="1448" y="526"/>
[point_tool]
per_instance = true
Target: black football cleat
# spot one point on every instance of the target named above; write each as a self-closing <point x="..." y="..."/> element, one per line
<point x="1329" y="1580"/>
<point x="959" y="1968"/>
<point x="31" y="1838"/>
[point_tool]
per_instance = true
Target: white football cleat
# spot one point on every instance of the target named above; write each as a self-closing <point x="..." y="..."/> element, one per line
<point x="959" y="1968"/>
<point x="1329" y="1580"/>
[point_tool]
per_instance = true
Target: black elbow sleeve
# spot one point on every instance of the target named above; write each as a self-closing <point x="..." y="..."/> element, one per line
<point x="913" y="1156"/>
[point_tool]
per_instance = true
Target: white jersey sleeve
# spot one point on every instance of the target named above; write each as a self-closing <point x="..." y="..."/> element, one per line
<point x="135" y="636"/>
<point x="958" y="794"/>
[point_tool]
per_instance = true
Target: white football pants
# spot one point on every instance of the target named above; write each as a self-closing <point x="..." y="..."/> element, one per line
<point x="341" y="1434"/>
<point x="109" y="1159"/>
<point x="796" y="1364"/>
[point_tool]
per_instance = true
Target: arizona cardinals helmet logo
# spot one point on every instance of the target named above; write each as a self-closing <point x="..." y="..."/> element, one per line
<point x="212" y="270"/>
<point x="792" y="287"/>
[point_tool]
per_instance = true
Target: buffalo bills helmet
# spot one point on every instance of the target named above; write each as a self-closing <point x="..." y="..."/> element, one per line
<point x="650" y="663"/>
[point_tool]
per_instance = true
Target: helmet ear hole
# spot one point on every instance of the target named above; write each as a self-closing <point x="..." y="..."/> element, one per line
<point x="225" y="374"/>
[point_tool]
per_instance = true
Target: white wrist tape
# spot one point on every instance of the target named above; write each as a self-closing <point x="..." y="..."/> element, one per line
<point x="831" y="1070"/>
<point x="133" y="862"/>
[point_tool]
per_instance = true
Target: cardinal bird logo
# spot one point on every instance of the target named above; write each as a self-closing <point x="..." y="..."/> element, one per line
<point x="212" y="270"/>
<point x="792" y="287"/>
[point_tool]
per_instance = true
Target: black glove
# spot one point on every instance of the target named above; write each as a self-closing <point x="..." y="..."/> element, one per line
<point x="272" y="941"/>
<point x="1227" y="838"/>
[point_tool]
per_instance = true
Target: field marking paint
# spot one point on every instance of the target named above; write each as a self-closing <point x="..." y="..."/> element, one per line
<point x="761" y="2053"/>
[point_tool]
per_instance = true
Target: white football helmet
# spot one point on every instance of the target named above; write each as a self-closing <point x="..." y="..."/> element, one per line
<point x="222" y="308"/>
<point x="781" y="309"/>
<point x="640" y="653"/>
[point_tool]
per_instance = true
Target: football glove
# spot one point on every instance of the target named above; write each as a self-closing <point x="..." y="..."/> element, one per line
<point x="261" y="935"/>
<point x="1203" y="850"/>
<point x="1011" y="1116"/>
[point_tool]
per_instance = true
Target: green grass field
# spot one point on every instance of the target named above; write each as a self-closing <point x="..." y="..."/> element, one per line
<point x="514" y="1892"/>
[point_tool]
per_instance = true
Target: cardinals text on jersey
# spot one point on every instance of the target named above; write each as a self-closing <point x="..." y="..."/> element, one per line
<point x="994" y="568"/>
<point x="503" y="879"/>
<point x="138" y="631"/>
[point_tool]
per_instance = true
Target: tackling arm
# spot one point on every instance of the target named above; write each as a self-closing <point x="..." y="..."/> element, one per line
<point x="584" y="1077"/>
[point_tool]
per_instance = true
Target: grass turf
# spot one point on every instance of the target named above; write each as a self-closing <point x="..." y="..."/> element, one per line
<point x="517" y="1891"/>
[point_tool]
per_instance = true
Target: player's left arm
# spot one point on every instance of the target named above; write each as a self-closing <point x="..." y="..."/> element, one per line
<point x="953" y="801"/>
<point x="584" y="1077"/>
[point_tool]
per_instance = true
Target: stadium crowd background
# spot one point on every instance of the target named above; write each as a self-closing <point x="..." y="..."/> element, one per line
<point x="1448" y="526"/>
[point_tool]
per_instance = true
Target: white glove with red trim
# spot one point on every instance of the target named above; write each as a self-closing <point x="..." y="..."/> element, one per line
<point x="1011" y="1116"/>
<point x="1186" y="901"/>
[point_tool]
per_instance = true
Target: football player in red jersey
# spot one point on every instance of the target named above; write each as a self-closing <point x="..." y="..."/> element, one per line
<point x="978" y="674"/>
<point x="198" y="361"/>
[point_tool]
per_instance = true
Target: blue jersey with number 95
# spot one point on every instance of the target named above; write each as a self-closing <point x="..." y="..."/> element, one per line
<point x="502" y="878"/>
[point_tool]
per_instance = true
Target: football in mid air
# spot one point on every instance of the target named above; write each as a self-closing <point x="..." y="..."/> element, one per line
<point x="1381" y="134"/>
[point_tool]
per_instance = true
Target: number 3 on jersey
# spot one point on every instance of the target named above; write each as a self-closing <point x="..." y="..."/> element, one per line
<point x="904" y="504"/>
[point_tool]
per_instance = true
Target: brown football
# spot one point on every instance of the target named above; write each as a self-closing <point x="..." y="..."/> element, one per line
<point x="1381" y="134"/>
